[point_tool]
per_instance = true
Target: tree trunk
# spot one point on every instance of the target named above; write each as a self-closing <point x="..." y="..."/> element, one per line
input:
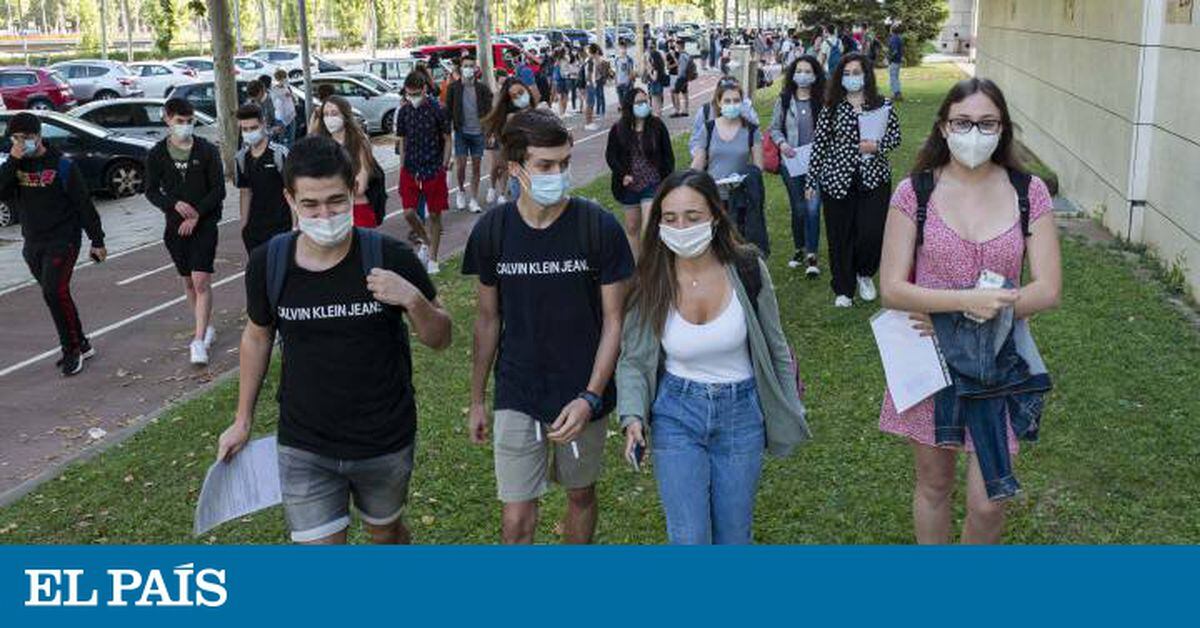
<point x="237" y="25"/>
<point x="218" y="15"/>
<point x="305" y="59"/>
<point x="103" y="29"/>
<point x="372" y="28"/>
<point x="640" y="35"/>
<point x="599" y="11"/>
<point x="483" y="37"/>
<point x="262" y="23"/>
<point x="128" y="28"/>
<point x="278" y="23"/>
<point x="724" y="13"/>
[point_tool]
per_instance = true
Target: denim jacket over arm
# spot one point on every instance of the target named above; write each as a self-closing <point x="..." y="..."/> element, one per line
<point x="642" y="360"/>
<point x="999" y="379"/>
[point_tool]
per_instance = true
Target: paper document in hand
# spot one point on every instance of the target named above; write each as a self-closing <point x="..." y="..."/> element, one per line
<point x="912" y="364"/>
<point x="247" y="483"/>
<point x="798" y="166"/>
<point x="873" y="124"/>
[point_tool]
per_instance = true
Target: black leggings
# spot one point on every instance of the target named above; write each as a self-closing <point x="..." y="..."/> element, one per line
<point x="52" y="264"/>
<point x="854" y="230"/>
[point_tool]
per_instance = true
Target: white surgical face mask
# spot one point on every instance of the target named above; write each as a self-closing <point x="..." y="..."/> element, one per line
<point x="521" y="102"/>
<point x="330" y="231"/>
<point x="687" y="242"/>
<point x="972" y="149"/>
<point x="182" y="131"/>
<point x="334" y="123"/>
<point x="468" y="73"/>
<point x="252" y="137"/>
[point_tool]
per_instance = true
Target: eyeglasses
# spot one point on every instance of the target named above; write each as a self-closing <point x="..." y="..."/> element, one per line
<point x="964" y="125"/>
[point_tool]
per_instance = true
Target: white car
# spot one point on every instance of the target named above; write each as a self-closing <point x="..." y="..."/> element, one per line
<point x="158" y="77"/>
<point x="370" y="79"/>
<point x="253" y="67"/>
<point x="289" y="59"/>
<point x="394" y="71"/>
<point x="202" y="66"/>
<point x="378" y="107"/>
<point x="94" y="79"/>
<point x="140" y="117"/>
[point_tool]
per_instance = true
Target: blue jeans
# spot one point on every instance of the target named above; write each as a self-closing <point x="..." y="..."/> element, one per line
<point x="595" y="96"/>
<point x="708" y="442"/>
<point x="806" y="214"/>
<point x="623" y="92"/>
<point x="468" y="144"/>
<point x="894" y="78"/>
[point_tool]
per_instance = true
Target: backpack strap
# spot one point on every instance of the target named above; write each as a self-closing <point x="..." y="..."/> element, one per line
<point x="710" y="127"/>
<point x="240" y="158"/>
<point x="923" y="184"/>
<point x="280" y="154"/>
<point x="750" y="137"/>
<point x="590" y="239"/>
<point x="493" y="244"/>
<point x="1021" y="180"/>
<point x="370" y="249"/>
<point x="750" y="273"/>
<point x="279" y="249"/>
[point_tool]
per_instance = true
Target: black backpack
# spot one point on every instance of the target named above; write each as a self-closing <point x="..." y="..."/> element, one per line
<point x="923" y="184"/>
<point x="492" y="225"/>
<point x="370" y="247"/>
<point x="377" y="194"/>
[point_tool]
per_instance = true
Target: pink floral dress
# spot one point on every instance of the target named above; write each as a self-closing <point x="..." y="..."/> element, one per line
<point x="946" y="261"/>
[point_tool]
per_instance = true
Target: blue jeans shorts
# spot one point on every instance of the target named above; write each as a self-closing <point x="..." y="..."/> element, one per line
<point x="468" y="144"/>
<point x="317" y="490"/>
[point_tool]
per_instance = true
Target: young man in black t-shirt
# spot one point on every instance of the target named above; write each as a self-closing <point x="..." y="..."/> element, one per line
<point x="552" y="281"/>
<point x="186" y="182"/>
<point x="347" y="412"/>
<point x="264" y="209"/>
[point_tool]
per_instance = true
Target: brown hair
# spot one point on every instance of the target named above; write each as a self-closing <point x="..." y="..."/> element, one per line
<point x="357" y="145"/>
<point x="494" y="122"/>
<point x="653" y="291"/>
<point x="935" y="152"/>
<point x="535" y="127"/>
<point x="835" y="93"/>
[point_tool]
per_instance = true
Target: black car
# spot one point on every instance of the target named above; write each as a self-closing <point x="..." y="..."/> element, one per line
<point x="110" y="162"/>
<point x="577" y="37"/>
<point x="203" y="96"/>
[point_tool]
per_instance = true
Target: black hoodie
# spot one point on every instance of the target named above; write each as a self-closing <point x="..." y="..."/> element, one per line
<point x="50" y="210"/>
<point x="203" y="185"/>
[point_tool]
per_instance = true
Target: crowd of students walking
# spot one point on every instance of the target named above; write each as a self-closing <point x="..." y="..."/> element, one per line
<point x="669" y="322"/>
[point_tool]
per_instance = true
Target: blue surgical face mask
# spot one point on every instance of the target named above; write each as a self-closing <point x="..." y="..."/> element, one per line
<point x="731" y="112"/>
<point x="548" y="189"/>
<point x="804" y="79"/>
<point x="252" y="138"/>
<point x="641" y="109"/>
<point x="853" y="83"/>
<point x="521" y="102"/>
<point x="30" y="146"/>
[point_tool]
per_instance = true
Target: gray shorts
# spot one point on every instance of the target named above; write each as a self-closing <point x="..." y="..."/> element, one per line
<point x="317" y="490"/>
<point x="522" y="454"/>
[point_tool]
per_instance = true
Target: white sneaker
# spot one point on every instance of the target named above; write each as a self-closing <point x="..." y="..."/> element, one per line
<point x="843" y="301"/>
<point x="812" y="269"/>
<point x="210" y="336"/>
<point x="866" y="289"/>
<point x="432" y="267"/>
<point x="461" y="202"/>
<point x="474" y="206"/>
<point x="199" y="353"/>
<point x="423" y="254"/>
<point x="591" y="127"/>
<point x="501" y="199"/>
<point x="491" y="196"/>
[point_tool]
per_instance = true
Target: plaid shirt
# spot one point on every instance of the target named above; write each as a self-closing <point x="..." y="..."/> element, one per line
<point x="424" y="130"/>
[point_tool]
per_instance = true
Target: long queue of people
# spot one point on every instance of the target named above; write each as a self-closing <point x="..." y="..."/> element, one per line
<point x="670" y="322"/>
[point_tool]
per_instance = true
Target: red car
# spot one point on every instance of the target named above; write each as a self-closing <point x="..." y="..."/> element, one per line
<point x="501" y="55"/>
<point x="35" y="88"/>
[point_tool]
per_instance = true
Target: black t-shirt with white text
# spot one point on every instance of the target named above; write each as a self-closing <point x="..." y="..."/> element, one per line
<point x="550" y="314"/>
<point x="346" y="385"/>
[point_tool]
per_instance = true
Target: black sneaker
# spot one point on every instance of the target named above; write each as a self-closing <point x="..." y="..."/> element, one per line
<point x="85" y="351"/>
<point x="71" y="363"/>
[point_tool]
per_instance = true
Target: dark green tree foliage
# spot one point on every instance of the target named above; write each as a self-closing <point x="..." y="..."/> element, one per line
<point x="920" y="20"/>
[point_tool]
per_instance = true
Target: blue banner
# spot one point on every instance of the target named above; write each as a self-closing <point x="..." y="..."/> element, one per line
<point x="622" y="586"/>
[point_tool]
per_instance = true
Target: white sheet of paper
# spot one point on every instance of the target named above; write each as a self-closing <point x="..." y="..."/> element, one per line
<point x="873" y="124"/>
<point x="912" y="365"/>
<point x="798" y="165"/>
<point x="248" y="483"/>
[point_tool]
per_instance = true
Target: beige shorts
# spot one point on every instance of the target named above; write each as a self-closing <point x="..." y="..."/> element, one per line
<point x="522" y="452"/>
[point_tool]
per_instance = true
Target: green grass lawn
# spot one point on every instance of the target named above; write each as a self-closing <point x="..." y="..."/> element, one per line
<point x="1116" y="464"/>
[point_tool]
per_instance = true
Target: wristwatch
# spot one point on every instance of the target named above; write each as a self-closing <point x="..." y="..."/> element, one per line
<point x="593" y="400"/>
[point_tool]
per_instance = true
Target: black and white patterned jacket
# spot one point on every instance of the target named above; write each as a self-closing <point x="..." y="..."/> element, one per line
<point x="835" y="153"/>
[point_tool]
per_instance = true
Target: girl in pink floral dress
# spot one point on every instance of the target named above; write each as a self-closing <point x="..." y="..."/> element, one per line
<point x="972" y="225"/>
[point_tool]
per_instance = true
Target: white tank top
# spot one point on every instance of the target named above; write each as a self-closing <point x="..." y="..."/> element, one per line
<point x="716" y="352"/>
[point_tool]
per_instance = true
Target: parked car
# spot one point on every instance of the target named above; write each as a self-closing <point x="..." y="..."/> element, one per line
<point x="110" y="162"/>
<point x="35" y="88"/>
<point x="93" y="79"/>
<point x="253" y="67"/>
<point x="371" y="80"/>
<point x="140" y="117"/>
<point x="289" y="60"/>
<point x="202" y="66"/>
<point x="555" y="36"/>
<point x="377" y="106"/>
<point x="158" y="77"/>
<point x="393" y="71"/>
<point x="203" y="96"/>
<point x="579" y="37"/>
<point x="439" y="55"/>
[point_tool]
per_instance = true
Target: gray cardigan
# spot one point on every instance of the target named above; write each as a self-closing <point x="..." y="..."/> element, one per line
<point x="784" y="413"/>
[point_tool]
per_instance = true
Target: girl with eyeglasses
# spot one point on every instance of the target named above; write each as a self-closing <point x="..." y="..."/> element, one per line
<point x="971" y="223"/>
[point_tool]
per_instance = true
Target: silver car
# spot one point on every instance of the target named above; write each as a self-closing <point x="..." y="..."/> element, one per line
<point x="393" y="71"/>
<point x="99" y="80"/>
<point x="378" y="107"/>
<point x="158" y="77"/>
<point x="140" y="117"/>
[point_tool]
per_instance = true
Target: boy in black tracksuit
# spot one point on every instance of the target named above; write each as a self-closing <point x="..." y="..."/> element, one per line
<point x="54" y="205"/>
<point x="185" y="180"/>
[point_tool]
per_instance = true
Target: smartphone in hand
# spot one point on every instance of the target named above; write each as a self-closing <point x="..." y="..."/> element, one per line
<point x="635" y="457"/>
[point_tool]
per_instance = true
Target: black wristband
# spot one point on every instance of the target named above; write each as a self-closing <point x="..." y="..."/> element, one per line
<point x="593" y="400"/>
